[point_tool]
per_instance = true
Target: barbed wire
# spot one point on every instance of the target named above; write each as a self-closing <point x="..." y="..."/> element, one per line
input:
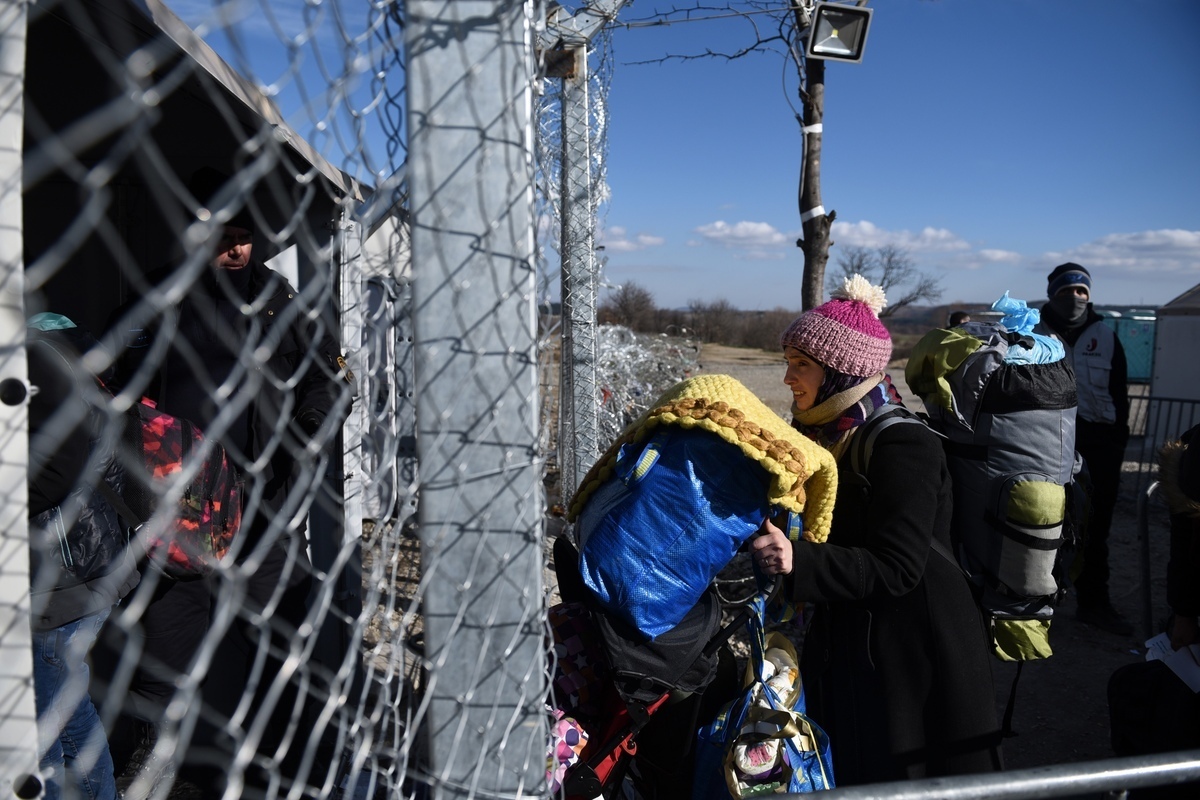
<point x="390" y="413"/>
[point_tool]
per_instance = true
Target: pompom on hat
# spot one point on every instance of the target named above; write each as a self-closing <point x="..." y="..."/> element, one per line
<point x="845" y="333"/>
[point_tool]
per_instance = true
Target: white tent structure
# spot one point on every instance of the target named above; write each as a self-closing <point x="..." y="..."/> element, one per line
<point x="1178" y="330"/>
<point x="1173" y="405"/>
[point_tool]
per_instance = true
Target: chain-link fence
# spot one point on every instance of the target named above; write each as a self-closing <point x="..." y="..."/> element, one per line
<point x="363" y="304"/>
<point x="572" y="134"/>
<point x="333" y="296"/>
<point x="379" y="309"/>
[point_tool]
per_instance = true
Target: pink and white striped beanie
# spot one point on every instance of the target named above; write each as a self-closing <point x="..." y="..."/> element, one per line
<point x="845" y="333"/>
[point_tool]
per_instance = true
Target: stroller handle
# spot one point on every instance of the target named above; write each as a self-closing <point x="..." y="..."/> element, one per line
<point x="773" y="591"/>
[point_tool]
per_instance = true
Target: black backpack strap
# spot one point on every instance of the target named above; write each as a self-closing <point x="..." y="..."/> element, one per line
<point x="1006" y="730"/>
<point x="115" y="500"/>
<point x="945" y="553"/>
<point x="864" y="442"/>
<point x="864" y="438"/>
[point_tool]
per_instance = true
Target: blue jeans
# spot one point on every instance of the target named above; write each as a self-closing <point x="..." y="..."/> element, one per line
<point x="74" y="749"/>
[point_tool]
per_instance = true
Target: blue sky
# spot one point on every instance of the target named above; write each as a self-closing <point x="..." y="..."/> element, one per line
<point x="992" y="139"/>
<point x="318" y="61"/>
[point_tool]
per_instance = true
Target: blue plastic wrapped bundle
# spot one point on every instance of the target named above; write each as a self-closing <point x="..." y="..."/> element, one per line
<point x="1020" y="318"/>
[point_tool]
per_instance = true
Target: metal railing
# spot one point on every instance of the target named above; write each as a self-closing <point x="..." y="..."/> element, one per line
<point x="1154" y="421"/>
<point x="1114" y="775"/>
<point x="1145" y="563"/>
<point x="435" y="679"/>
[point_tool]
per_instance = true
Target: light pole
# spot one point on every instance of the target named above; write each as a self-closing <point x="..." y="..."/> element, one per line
<point x="835" y="32"/>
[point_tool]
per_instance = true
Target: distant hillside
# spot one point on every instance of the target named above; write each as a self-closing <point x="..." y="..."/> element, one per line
<point x="721" y="323"/>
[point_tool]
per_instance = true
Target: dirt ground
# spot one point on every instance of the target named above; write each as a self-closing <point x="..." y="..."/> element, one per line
<point x="1061" y="711"/>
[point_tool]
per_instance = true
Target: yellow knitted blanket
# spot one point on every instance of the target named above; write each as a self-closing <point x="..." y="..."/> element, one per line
<point x="804" y="474"/>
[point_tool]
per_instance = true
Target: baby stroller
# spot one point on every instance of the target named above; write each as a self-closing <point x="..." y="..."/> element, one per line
<point x="660" y="514"/>
<point x="646" y="698"/>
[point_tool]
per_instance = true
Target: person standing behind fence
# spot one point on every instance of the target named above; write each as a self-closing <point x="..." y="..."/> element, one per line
<point x="1180" y="476"/>
<point x="243" y="329"/>
<point x="895" y="661"/>
<point x="1151" y="709"/>
<point x="80" y="562"/>
<point x="1102" y="426"/>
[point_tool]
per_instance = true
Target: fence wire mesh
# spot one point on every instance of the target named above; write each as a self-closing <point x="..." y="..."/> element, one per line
<point x="352" y="641"/>
<point x="572" y="124"/>
<point x="379" y="307"/>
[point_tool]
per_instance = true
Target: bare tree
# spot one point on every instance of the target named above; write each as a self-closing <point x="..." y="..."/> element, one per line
<point x="762" y="329"/>
<point x="716" y="321"/>
<point x="816" y="225"/>
<point x="892" y="268"/>
<point x="630" y="305"/>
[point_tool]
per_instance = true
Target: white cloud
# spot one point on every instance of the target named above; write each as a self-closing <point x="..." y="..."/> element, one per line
<point x="1136" y="254"/>
<point x="975" y="260"/>
<point x="928" y="240"/>
<point x="617" y="240"/>
<point x="1000" y="256"/>
<point x="743" y="234"/>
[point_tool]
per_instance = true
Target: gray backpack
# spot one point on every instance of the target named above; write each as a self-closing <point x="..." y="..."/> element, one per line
<point x="1004" y="404"/>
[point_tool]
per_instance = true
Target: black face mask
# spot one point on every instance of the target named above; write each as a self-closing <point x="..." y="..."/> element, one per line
<point x="1070" y="307"/>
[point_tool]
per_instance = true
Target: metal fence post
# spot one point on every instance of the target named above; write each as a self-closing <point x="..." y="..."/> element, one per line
<point x="339" y="555"/>
<point x="18" y="734"/>
<point x="407" y="465"/>
<point x="470" y="74"/>
<point x="579" y="413"/>
<point x="579" y="428"/>
<point x="352" y="308"/>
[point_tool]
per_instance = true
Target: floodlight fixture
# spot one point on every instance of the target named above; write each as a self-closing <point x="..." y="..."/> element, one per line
<point x="838" y="32"/>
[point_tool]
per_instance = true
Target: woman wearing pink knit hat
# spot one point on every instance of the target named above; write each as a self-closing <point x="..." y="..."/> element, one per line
<point x="895" y="662"/>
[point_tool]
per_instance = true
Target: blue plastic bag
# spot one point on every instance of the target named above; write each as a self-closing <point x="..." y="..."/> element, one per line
<point x="656" y="534"/>
<point x="1022" y="319"/>
<point x="1018" y="316"/>
<point x="798" y="771"/>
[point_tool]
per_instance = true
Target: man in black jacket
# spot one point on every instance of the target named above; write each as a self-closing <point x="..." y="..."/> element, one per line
<point x="1102" y="426"/>
<point x="248" y="364"/>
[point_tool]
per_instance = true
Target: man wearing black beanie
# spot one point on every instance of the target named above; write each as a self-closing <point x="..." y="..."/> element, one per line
<point x="251" y="366"/>
<point x="1102" y="426"/>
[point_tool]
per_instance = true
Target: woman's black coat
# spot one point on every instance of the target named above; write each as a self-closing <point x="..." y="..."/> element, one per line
<point x="896" y="662"/>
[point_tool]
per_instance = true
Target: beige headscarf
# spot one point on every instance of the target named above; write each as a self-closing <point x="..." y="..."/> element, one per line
<point x="821" y="415"/>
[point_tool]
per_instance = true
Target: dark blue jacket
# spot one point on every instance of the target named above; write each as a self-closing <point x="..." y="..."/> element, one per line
<point x="80" y="561"/>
